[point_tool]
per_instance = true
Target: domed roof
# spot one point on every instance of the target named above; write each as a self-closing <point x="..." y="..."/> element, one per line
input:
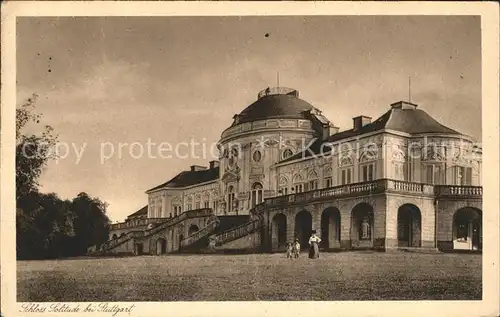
<point x="283" y="103"/>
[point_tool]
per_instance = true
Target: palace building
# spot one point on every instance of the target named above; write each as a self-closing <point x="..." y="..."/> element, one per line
<point x="402" y="181"/>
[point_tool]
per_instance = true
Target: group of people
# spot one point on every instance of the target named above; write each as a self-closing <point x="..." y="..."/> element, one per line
<point x="293" y="248"/>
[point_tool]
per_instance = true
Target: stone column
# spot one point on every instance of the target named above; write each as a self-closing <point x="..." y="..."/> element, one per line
<point x="444" y="214"/>
<point x="290" y="225"/>
<point x="316" y="218"/>
<point x="345" y="228"/>
<point x="379" y="222"/>
<point x="391" y="222"/>
<point x="428" y="224"/>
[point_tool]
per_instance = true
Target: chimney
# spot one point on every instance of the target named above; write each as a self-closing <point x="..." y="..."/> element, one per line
<point x="334" y="129"/>
<point x="360" y="121"/>
<point x="214" y="164"/>
<point x="197" y="168"/>
<point x="404" y="105"/>
<point x="329" y="129"/>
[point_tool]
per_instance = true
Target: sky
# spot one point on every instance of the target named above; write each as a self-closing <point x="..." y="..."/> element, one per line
<point x="106" y="81"/>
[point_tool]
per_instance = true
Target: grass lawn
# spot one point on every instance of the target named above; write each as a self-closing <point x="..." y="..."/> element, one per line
<point x="334" y="276"/>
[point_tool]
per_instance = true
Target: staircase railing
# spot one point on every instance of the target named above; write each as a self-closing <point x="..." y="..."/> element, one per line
<point x="200" y="234"/>
<point x="237" y="232"/>
<point x="185" y="215"/>
<point x="162" y="226"/>
<point x="120" y="240"/>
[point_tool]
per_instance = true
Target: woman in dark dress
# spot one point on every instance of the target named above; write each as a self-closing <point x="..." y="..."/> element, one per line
<point x="314" y="241"/>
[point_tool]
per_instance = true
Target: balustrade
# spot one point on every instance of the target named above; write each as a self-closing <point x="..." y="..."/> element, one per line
<point x="200" y="234"/>
<point x="376" y="186"/>
<point x="457" y="191"/>
<point x="185" y="215"/>
<point x="237" y="232"/>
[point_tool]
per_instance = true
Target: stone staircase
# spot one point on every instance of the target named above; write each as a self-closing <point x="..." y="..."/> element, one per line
<point x="199" y="239"/>
<point x="252" y="226"/>
<point x="159" y="228"/>
<point x="112" y="244"/>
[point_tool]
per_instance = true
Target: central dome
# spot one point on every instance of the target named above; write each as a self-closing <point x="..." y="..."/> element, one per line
<point x="278" y="102"/>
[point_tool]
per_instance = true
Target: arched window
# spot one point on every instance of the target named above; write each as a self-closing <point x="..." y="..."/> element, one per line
<point x="283" y="185"/>
<point x="367" y="166"/>
<point x="346" y="169"/>
<point x="298" y="183"/>
<point x="287" y="153"/>
<point x="257" y="195"/>
<point x="312" y="180"/>
<point x="230" y="198"/>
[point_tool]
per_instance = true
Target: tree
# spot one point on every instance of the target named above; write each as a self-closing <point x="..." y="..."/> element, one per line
<point x="90" y="223"/>
<point x="47" y="226"/>
<point x="32" y="151"/>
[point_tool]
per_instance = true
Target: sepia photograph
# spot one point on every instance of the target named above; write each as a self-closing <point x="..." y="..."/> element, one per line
<point x="237" y="158"/>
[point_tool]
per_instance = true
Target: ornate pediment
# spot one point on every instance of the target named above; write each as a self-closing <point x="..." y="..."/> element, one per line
<point x="433" y="154"/>
<point x="243" y="196"/>
<point x="283" y="181"/>
<point x="257" y="177"/>
<point x="312" y="174"/>
<point x="345" y="160"/>
<point x="230" y="176"/>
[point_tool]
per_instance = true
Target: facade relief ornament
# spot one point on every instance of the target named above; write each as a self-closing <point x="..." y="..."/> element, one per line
<point x="243" y="196"/>
<point x="398" y="153"/>
<point x="312" y="174"/>
<point x="298" y="178"/>
<point x="230" y="177"/>
<point x="257" y="177"/>
<point x="328" y="170"/>
<point x="345" y="161"/>
<point x="459" y="158"/>
<point x="288" y="123"/>
<point x="433" y="154"/>
<point x="283" y="180"/>
<point x="272" y="123"/>
<point x="368" y="155"/>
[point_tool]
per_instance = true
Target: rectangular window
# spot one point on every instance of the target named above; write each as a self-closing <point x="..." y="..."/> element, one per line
<point x="206" y="204"/>
<point x="346" y="176"/>
<point x="189" y="207"/>
<point x="367" y="172"/>
<point x="299" y="188"/>
<point x="434" y="174"/>
<point x="468" y="176"/>
<point x="462" y="175"/>
<point x="408" y="171"/>
<point x="313" y="185"/>
<point x="214" y="205"/>
<point x="197" y="205"/>
<point x="328" y="182"/>
<point x="429" y="174"/>
<point x="231" y="202"/>
<point x="398" y="171"/>
<point x="283" y="191"/>
<point x="437" y="174"/>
